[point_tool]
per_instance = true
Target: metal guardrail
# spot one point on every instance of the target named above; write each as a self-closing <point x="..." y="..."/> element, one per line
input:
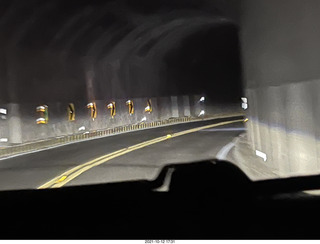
<point x="42" y="144"/>
<point x="50" y="142"/>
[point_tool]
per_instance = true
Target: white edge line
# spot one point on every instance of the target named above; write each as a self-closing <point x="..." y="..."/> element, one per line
<point x="222" y="154"/>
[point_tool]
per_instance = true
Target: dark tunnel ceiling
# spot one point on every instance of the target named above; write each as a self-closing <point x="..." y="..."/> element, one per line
<point x="57" y="50"/>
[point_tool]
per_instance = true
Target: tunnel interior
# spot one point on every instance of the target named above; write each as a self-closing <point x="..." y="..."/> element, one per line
<point x="58" y="51"/>
<point x="208" y="61"/>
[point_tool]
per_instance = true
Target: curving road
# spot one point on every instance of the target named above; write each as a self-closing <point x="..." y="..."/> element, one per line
<point x="104" y="162"/>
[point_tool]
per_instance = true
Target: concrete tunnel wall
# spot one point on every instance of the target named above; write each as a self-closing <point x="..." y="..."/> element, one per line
<point x="281" y="56"/>
<point x="56" y="51"/>
<point x="20" y="125"/>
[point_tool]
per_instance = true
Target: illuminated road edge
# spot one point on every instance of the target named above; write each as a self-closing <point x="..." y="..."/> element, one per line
<point x="71" y="174"/>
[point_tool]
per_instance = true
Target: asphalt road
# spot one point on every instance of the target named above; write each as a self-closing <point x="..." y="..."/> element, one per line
<point x="32" y="170"/>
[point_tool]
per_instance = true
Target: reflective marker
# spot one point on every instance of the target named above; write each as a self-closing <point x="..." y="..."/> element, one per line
<point x="71" y="112"/>
<point x="112" y="107"/>
<point x="3" y="111"/>
<point x="75" y="172"/>
<point x="129" y="103"/>
<point x="41" y="108"/>
<point x="82" y="128"/>
<point x="201" y="113"/>
<point x="62" y="178"/>
<point x="41" y="121"/>
<point x="93" y="110"/>
<point x="202" y="99"/>
<point x="43" y="112"/>
<point x="261" y="155"/>
<point x="3" y="139"/>
<point x="148" y="109"/>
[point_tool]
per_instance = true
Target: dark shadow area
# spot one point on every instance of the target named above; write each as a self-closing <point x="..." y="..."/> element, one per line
<point x="207" y="61"/>
<point x="202" y="203"/>
<point x="55" y="50"/>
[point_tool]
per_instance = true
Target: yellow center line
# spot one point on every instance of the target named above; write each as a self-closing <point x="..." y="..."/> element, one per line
<point x="69" y="175"/>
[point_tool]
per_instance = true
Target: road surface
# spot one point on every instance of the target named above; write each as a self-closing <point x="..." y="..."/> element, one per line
<point x="35" y="169"/>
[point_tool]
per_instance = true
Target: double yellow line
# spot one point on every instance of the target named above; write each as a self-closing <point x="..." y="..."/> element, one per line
<point x="69" y="175"/>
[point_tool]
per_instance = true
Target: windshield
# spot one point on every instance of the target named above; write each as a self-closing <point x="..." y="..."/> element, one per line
<point x="109" y="91"/>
